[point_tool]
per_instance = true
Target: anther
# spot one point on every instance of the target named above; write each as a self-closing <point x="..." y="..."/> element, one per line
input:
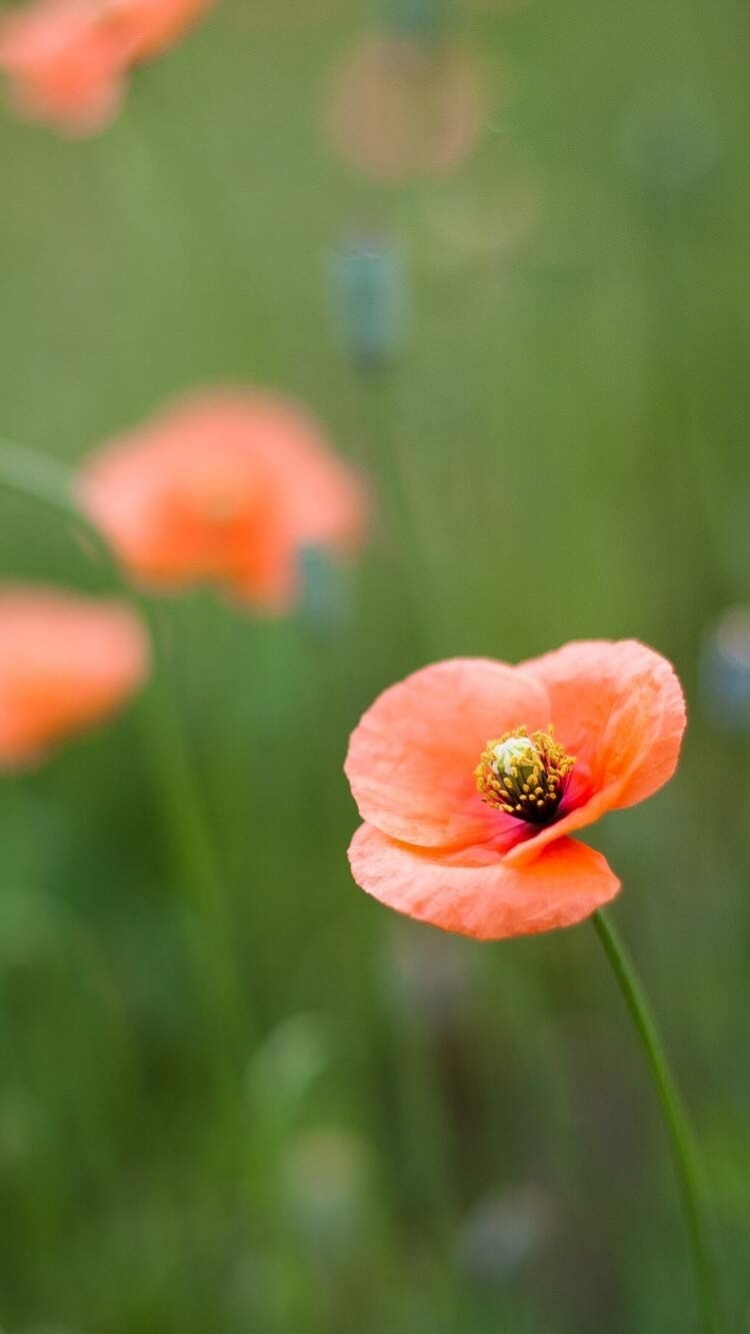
<point x="524" y="776"/>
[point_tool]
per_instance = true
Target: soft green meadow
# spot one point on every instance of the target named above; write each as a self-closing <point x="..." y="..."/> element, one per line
<point x="381" y="1128"/>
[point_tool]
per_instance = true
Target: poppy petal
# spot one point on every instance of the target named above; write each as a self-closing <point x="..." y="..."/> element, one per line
<point x="328" y="505"/>
<point x="475" y="893"/>
<point x="412" y="758"/>
<point x="66" y="662"/>
<point x="619" y="708"/>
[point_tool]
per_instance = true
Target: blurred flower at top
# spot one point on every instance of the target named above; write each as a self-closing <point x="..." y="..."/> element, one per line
<point x="226" y="487"/>
<point x="63" y="68"/>
<point x="66" y="60"/>
<point x="402" y="104"/>
<point x="147" y="27"/>
<point x="66" y="662"/>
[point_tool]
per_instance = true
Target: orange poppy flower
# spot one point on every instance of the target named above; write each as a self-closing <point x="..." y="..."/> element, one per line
<point x="145" y="28"/>
<point x="226" y="488"/>
<point x="63" y="65"/>
<point x="471" y="775"/>
<point x="65" y="662"/>
<point x="67" y="59"/>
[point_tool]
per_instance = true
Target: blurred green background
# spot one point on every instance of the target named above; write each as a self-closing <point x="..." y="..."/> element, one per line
<point x="541" y="360"/>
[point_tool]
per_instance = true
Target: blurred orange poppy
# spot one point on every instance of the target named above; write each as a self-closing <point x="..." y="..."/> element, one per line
<point x="471" y="775"/>
<point x="66" y="662"/>
<point x="146" y="27"/>
<point x="63" y="66"/>
<point x="225" y="487"/>
<point x="67" y="59"/>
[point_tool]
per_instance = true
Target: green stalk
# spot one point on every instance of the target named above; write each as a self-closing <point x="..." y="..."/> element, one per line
<point x="675" y="1116"/>
<point x="41" y="478"/>
<point x="208" y="928"/>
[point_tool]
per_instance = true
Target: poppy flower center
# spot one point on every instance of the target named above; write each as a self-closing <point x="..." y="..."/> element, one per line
<point x="524" y="776"/>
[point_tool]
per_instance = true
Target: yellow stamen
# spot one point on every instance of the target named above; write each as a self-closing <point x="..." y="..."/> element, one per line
<point x="525" y="776"/>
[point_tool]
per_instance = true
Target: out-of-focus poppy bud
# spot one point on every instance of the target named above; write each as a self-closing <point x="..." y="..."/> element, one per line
<point x="370" y="300"/>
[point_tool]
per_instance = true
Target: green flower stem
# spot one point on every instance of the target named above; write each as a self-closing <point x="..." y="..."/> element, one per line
<point x="41" y="478"/>
<point x="194" y="856"/>
<point x="674" y="1114"/>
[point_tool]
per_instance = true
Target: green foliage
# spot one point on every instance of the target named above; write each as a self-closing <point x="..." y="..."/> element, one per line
<point x="558" y="451"/>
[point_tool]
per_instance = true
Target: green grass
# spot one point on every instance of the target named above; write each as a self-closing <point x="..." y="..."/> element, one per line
<point x="558" y="451"/>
